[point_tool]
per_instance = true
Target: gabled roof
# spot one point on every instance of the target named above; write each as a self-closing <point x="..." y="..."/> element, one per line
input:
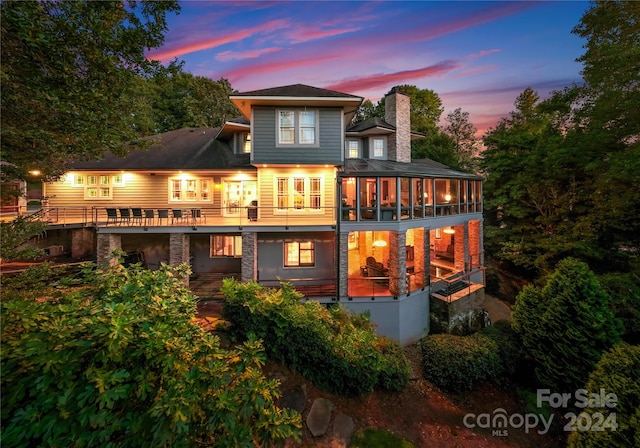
<point x="182" y="149"/>
<point x="296" y="95"/>
<point x="417" y="168"/>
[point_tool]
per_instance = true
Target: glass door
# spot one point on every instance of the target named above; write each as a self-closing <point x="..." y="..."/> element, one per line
<point x="237" y="195"/>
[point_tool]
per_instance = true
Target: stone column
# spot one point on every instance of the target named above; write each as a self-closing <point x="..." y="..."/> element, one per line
<point x="107" y="243"/>
<point x="397" y="263"/>
<point x="82" y="243"/>
<point x="249" y="264"/>
<point x="179" y="250"/>
<point x="421" y="257"/>
<point x="475" y="237"/>
<point x="461" y="247"/>
<point x="343" y="265"/>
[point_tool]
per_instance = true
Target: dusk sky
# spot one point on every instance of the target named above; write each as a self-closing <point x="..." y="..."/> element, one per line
<point x="475" y="55"/>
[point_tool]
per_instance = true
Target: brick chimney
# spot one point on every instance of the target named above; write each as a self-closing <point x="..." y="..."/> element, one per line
<point x="397" y="113"/>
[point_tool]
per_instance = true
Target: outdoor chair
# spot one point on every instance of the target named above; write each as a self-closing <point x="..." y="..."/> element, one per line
<point x="112" y="216"/>
<point x="177" y="215"/>
<point x="148" y="216"/>
<point x="125" y="215"/>
<point x="197" y="215"/>
<point x="163" y="213"/>
<point x="136" y="215"/>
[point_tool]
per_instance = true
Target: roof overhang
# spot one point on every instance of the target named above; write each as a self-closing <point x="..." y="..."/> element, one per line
<point x="245" y="103"/>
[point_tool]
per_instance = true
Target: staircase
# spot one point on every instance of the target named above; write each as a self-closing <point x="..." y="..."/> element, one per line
<point x="207" y="285"/>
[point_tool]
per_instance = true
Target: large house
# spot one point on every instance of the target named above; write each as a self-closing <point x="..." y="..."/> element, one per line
<point x="290" y="192"/>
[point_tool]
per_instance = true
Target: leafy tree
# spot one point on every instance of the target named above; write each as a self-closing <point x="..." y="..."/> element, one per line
<point x="13" y="236"/>
<point x="616" y="373"/>
<point x="463" y="134"/>
<point x="68" y="78"/>
<point x="183" y="100"/>
<point x="368" y="110"/>
<point x="566" y="325"/>
<point x="115" y="358"/>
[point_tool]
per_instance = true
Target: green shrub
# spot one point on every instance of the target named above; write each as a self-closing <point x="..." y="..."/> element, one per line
<point x="617" y="372"/>
<point x="339" y="352"/>
<point x="117" y="360"/>
<point x="510" y="349"/>
<point x="457" y="363"/>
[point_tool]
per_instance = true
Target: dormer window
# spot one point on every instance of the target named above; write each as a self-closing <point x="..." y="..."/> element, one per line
<point x="246" y="146"/>
<point x="297" y="127"/>
<point x="353" y="149"/>
<point x="377" y="148"/>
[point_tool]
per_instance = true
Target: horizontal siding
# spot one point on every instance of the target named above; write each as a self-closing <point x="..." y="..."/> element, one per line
<point x="264" y="140"/>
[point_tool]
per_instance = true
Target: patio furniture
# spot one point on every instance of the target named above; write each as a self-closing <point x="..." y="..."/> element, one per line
<point x="112" y="216"/>
<point x="136" y="215"/>
<point x="252" y="211"/>
<point x="148" y="215"/>
<point x="177" y="216"/>
<point x="197" y="215"/>
<point x="125" y="215"/>
<point x="163" y="213"/>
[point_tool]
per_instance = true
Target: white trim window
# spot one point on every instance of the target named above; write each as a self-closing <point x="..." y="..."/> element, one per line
<point x="98" y="186"/>
<point x="297" y="127"/>
<point x="377" y="148"/>
<point x="226" y="246"/>
<point x="353" y="149"/>
<point x="305" y="193"/>
<point x="190" y="190"/>
<point x="299" y="254"/>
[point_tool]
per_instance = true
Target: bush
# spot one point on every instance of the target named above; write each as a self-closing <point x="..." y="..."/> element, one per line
<point x="337" y="351"/>
<point x="457" y="363"/>
<point x="117" y="360"/>
<point x="617" y="373"/>
<point x="510" y="349"/>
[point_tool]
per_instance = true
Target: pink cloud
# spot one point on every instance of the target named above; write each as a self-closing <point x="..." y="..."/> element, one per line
<point x="379" y="80"/>
<point x="168" y="53"/>
<point x="483" y="53"/>
<point x="249" y="54"/>
<point x="305" y="34"/>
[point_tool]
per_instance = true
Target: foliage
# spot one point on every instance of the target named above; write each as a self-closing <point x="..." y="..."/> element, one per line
<point x="182" y="100"/>
<point x="509" y="345"/>
<point x="457" y="363"/>
<point x="69" y="79"/>
<point x="463" y="134"/>
<point x="13" y="236"/>
<point x="337" y="351"/>
<point x="566" y="325"/>
<point x="617" y="373"/>
<point x="562" y="173"/>
<point x="116" y="359"/>
<point x="378" y="438"/>
<point x="624" y="292"/>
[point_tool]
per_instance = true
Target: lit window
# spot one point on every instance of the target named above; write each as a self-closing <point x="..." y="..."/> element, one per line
<point x="299" y="254"/>
<point x="246" y="147"/>
<point x="283" y="193"/>
<point x="353" y="149"/>
<point x="92" y="180"/>
<point x="78" y="180"/>
<point x="303" y="192"/>
<point x="226" y="246"/>
<point x="190" y="190"/>
<point x="297" y="127"/>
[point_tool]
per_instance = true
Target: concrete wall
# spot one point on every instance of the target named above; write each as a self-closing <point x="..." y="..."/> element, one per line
<point x="405" y="320"/>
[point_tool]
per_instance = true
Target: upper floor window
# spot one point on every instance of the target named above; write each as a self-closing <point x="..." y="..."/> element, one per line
<point x="246" y="143"/>
<point x="297" y="127"/>
<point x="353" y="149"/>
<point x="377" y="148"/>
<point x="189" y="190"/>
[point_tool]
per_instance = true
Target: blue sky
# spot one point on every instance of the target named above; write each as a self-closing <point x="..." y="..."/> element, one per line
<point x="475" y="55"/>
